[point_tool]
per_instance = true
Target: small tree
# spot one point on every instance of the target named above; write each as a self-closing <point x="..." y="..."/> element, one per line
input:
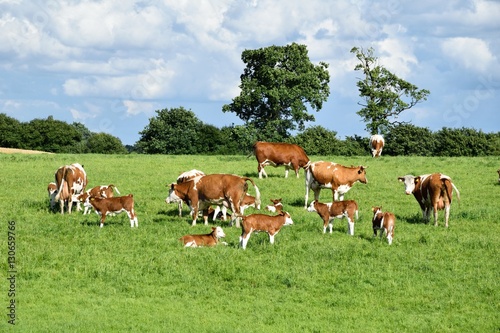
<point x="276" y="84"/>
<point x="103" y="143"/>
<point x="383" y="93"/>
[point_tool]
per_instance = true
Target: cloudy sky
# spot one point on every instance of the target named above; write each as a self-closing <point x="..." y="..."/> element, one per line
<point x="110" y="64"/>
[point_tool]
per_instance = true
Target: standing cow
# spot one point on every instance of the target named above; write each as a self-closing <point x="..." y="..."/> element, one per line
<point x="377" y="144"/>
<point x="331" y="175"/>
<point x="215" y="189"/>
<point x="385" y="222"/>
<point x="71" y="181"/>
<point x="185" y="177"/>
<point x="432" y="191"/>
<point x="291" y="156"/>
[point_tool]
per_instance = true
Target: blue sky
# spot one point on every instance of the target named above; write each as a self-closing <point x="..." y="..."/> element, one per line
<point x="111" y="64"/>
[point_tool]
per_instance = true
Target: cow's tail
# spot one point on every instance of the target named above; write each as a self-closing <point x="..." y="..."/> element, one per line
<point x="307" y="165"/>
<point x="456" y="190"/>
<point x="257" y="192"/>
<point x="61" y="185"/>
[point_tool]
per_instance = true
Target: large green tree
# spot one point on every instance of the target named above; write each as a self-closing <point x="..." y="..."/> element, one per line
<point x="386" y="95"/>
<point x="276" y="85"/>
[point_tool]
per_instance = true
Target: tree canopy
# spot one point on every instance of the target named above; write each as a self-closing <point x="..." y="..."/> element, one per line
<point x="386" y="95"/>
<point x="276" y="84"/>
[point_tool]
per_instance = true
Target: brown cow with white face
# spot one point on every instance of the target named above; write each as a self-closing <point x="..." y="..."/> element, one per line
<point x="71" y="180"/>
<point x="331" y="175"/>
<point x="432" y="191"/>
<point x="266" y="223"/>
<point x="215" y="189"/>
<point x="377" y="144"/>
<point x="291" y="156"/>
<point x="52" y="192"/>
<point x="115" y="205"/>
<point x="210" y="239"/>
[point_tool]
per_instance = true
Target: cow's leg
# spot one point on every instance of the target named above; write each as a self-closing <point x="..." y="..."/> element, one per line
<point x="260" y="169"/>
<point x="350" y="227"/>
<point x="244" y="239"/>
<point x="325" y="224"/>
<point x="336" y="195"/>
<point x="271" y="238"/>
<point x="286" y="172"/>
<point x="446" y="214"/>
<point x="179" y="207"/>
<point x="435" y="213"/>
<point x="103" y="217"/>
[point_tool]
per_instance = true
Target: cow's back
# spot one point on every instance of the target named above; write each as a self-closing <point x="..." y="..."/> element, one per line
<point x="280" y="152"/>
<point x="216" y="186"/>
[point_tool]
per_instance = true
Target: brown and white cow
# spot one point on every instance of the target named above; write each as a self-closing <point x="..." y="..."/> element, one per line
<point x="52" y="192"/>
<point x="213" y="189"/>
<point x="289" y="155"/>
<point x="336" y="209"/>
<point x="385" y="222"/>
<point x="432" y="191"/>
<point x="102" y="191"/>
<point x="116" y="205"/>
<point x="276" y="207"/>
<point x="331" y="175"/>
<point x="248" y="201"/>
<point x="71" y="181"/>
<point x="261" y="222"/>
<point x="210" y="239"/>
<point x="184" y="177"/>
<point x="377" y="144"/>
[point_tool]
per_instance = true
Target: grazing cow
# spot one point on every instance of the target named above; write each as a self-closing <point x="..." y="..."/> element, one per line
<point x="210" y="239"/>
<point x="337" y="209"/>
<point x="71" y="180"/>
<point x="215" y="189"/>
<point x="276" y="207"/>
<point x="96" y="192"/>
<point x="105" y="206"/>
<point x="280" y="154"/>
<point x="331" y="175"/>
<point x="262" y="222"/>
<point x="184" y="177"/>
<point x="385" y="222"/>
<point x="431" y="191"/>
<point x="52" y="192"/>
<point x="377" y="144"/>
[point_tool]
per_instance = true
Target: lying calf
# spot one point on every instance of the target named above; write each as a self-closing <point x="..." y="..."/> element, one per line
<point x="262" y="222"/>
<point x="337" y="209"/>
<point x="385" y="222"/>
<point x="210" y="239"/>
<point x="104" y="206"/>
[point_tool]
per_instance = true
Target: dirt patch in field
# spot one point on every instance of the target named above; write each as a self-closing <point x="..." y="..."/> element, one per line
<point x="21" y="151"/>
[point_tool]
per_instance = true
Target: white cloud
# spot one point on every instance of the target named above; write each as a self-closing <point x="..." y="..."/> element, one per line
<point x="134" y="108"/>
<point x="471" y="53"/>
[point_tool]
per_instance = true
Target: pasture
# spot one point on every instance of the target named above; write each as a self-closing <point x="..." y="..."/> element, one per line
<point x="74" y="276"/>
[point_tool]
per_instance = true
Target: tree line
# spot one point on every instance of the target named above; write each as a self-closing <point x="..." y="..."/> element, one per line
<point x="177" y="131"/>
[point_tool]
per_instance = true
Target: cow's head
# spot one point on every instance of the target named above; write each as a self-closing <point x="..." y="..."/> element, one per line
<point x="362" y="174"/>
<point x="376" y="210"/>
<point x="218" y="232"/>
<point x="288" y="218"/>
<point x="172" y="195"/>
<point x="410" y="182"/>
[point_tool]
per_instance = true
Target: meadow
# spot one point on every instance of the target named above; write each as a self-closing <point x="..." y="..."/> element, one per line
<point x="72" y="276"/>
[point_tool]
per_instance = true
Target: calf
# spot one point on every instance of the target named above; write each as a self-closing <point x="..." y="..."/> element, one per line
<point x="276" y="207"/>
<point x="385" y="222"/>
<point x="210" y="239"/>
<point x="104" y="206"/>
<point x="431" y="191"/>
<point x="337" y="209"/>
<point x="96" y="192"/>
<point x="248" y="201"/>
<point x="262" y="222"/>
<point x="52" y="192"/>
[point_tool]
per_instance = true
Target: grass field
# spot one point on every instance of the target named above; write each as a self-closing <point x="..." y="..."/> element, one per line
<point x="72" y="276"/>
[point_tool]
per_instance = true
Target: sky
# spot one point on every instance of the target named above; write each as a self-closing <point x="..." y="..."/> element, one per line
<point x="111" y="64"/>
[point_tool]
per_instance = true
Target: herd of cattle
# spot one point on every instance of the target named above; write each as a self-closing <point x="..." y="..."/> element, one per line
<point x="202" y="192"/>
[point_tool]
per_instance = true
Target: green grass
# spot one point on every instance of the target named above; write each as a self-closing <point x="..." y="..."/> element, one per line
<point x="74" y="276"/>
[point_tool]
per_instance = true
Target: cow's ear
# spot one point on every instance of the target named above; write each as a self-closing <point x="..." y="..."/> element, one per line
<point x="214" y="228"/>
<point x="401" y="179"/>
<point x="417" y="180"/>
